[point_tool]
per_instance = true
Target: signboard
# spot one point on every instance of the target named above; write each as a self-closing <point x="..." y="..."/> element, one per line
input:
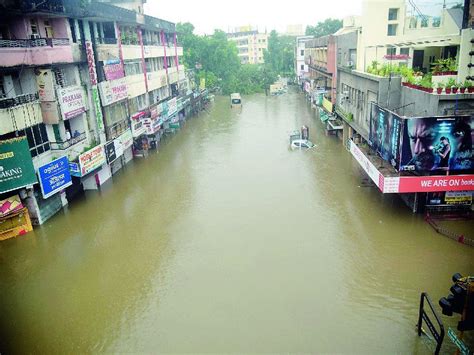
<point x="91" y="62"/>
<point x="110" y="152"/>
<point x="436" y="183"/>
<point x="16" y="166"/>
<point x="127" y="139"/>
<point x="71" y="100"/>
<point x="138" y="128"/>
<point x="152" y="125"/>
<point x="437" y="144"/>
<point x="396" y="56"/>
<point x="458" y="197"/>
<point x="54" y="176"/>
<point x="113" y="69"/>
<point x="44" y="80"/>
<point x="92" y="159"/>
<point x="113" y="91"/>
<point x="118" y="146"/>
<point x="172" y="106"/>
<point x="74" y="169"/>
<point x="327" y="105"/>
<point x="384" y="134"/>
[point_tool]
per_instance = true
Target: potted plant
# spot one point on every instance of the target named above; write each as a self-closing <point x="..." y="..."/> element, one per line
<point x="450" y="85"/>
<point x="462" y="88"/>
<point x="439" y="88"/>
<point x="455" y="88"/>
<point x="468" y="85"/>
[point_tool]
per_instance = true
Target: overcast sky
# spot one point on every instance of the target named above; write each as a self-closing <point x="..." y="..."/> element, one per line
<point x="206" y="15"/>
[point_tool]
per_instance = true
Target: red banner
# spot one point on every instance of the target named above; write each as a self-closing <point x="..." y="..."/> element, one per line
<point x="436" y="183"/>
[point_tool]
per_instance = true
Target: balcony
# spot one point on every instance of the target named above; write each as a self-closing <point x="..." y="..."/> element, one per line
<point x="154" y="51"/>
<point x="19" y="113"/>
<point x="116" y="129"/>
<point x="40" y="51"/>
<point x="157" y="79"/>
<point x="107" y="48"/>
<point x="131" y="51"/>
<point x="72" y="147"/>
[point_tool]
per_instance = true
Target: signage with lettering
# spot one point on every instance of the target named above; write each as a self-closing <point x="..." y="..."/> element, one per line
<point x="113" y="70"/>
<point x="71" y="100"/>
<point x="172" y="107"/>
<point x="113" y="91"/>
<point x="54" y="176"/>
<point x="74" y="169"/>
<point x="118" y="147"/>
<point x="138" y="128"/>
<point x="92" y="159"/>
<point x="16" y="166"/>
<point x="110" y="152"/>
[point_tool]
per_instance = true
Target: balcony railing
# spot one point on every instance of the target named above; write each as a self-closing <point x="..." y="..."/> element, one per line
<point x="116" y="129"/>
<point x="19" y="100"/>
<point x="38" y="42"/>
<point x="63" y="145"/>
<point x="106" y="40"/>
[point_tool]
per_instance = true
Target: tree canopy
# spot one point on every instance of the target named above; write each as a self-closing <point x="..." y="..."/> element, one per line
<point x="324" y="28"/>
<point x="216" y="59"/>
<point x="280" y="55"/>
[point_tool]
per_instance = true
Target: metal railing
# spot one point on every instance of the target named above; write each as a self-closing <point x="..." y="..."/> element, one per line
<point x="106" y="40"/>
<point x="18" y="100"/>
<point x="116" y="129"/>
<point x="438" y="335"/>
<point x="63" y="145"/>
<point x="38" y="42"/>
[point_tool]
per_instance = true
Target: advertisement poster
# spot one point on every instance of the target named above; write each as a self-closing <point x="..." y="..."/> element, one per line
<point x="458" y="197"/>
<point x="10" y="205"/>
<point x="54" y="176"/>
<point x="437" y="144"/>
<point x="92" y="159"/>
<point x="384" y="135"/>
<point x="71" y="100"/>
<point x="44" y="80"/>
<point x="16" y="166"/>
<point x="74" y="169"/>
<point x="172" y="107"/>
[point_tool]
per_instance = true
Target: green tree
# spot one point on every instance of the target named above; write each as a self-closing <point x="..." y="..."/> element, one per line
<point x="327" y="27"/>
<point x="280" y="56"/>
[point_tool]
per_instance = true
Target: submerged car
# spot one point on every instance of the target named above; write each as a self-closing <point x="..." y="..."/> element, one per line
<point x="302" y="144"/>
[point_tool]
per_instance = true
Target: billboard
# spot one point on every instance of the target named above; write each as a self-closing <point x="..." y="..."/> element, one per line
<point x="71" y="100"/>
<point x="16" y="166"/>
<point x="437" y="144"/>
<point x="92" y="159"/>
<point x="54" y="176"/>
<point x="384" y="134"/>
<point x="113" y="91"/>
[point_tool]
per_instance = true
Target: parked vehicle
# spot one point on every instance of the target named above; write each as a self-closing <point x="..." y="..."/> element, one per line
<point x="301" y="144"/>
<point x="235" y="100"/>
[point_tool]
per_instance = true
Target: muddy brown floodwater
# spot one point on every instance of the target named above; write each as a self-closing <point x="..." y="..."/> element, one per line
<point x="227" y="241"/>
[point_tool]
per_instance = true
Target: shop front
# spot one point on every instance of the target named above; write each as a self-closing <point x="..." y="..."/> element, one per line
<point x="139" y="134"/>
<point x="153" y="125"/>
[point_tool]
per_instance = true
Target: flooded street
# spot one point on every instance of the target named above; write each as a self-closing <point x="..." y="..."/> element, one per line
<point x="227" y="241"/>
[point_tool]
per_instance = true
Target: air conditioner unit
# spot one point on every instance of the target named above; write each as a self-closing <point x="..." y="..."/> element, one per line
<point x="35" y="36"/>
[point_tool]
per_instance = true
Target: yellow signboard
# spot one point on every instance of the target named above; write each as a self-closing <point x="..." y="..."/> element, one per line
<point x="327" y="105"/>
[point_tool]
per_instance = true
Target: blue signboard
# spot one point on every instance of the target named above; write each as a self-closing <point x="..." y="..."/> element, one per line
<point x="54" y="176"/>
<point x="74" y="169"/>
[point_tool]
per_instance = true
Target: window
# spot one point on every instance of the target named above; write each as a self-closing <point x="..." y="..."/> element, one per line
<point x="391" y="51"/>
<point x="48" y="29"/>
<point x="133" y="67"/>
<point x="34" y="27"/>
<point x="302" y="52"/>
<point x="302" y="67"/>
<point x="37" y="139"/>
<point x="392" y="14"/>
<point x="392" y="30"/>
<point x="405" y="51"/>
<point x="63" y="77"/>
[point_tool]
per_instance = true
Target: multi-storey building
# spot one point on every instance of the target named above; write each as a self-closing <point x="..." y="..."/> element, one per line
<point x="250" y="44"/>
<point x="301" y="68"/>
<point x="87" y="85"/>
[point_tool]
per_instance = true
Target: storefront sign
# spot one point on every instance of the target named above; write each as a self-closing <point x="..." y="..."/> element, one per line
<point x="74" y="169"/>
<point x="110" y="152"/>
<point x="98" y="108"/>
<point x="113" y="91"/>
<point x="113" y="69"/>
<point x="152" y="125"/>
<point x="92" y="159"/>
<point x="91" y="63"/>
<point x="327" y="105"/>
<point x="127" y="139"/>
<point x="458" y="197"/>
<point x="172" y="107"/>
<point x="436" y="183"/>
<point x="54" y="176"/>
<point x="71" y="100"/>
<point x="138" y="128"/>
<point x="118" y="147"/>
<point x="16" y="166"/>
<point x="44" y="80"/>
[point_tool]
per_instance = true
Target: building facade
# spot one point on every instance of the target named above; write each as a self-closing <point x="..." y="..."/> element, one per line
<point x="250" y="44"/>
<point x="84" y="88"/>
